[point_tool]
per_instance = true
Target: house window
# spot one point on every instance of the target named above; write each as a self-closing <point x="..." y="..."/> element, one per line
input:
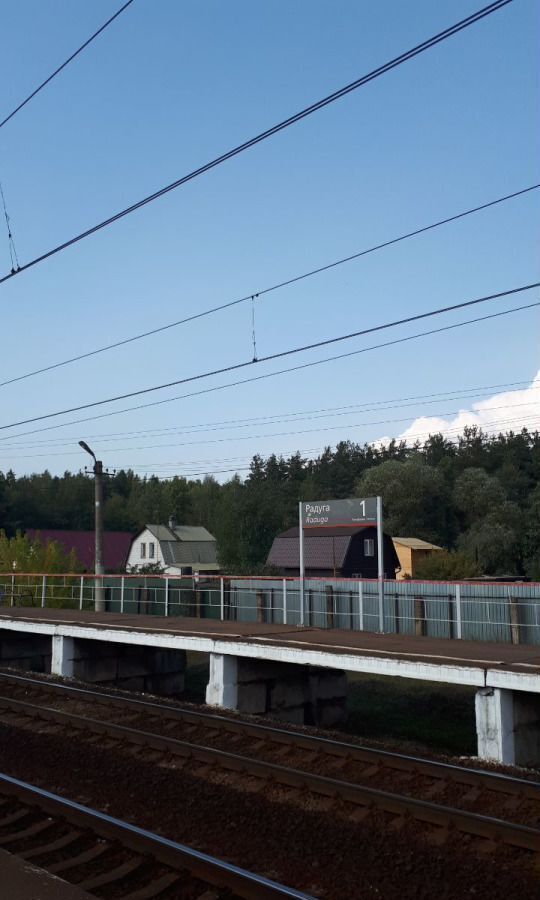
<point x="369" y="547"/>
<point x="151" y="550"/>
<point x="143" y="551"/>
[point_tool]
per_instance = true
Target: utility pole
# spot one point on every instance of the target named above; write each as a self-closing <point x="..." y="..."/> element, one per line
<point x="99" y="591"/>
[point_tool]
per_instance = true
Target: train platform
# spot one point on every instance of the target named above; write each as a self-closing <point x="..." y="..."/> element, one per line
<point x="298" y="673"/>
<point x="474" y="657"/>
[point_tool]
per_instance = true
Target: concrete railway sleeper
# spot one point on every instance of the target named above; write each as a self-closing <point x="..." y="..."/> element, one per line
<point x="360" y="798"/>
<point x="106" y="857"/>
<point x="191" y="721"/>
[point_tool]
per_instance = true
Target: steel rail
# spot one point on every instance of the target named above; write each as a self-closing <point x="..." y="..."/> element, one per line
<point x="495" y="781"/>
<point x="446" y="817"/>
<point x="178" y="856"/>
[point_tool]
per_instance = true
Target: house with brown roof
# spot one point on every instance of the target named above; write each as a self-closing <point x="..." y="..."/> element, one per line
<point x="411" y="552"/>
<point x="342" y="552"/>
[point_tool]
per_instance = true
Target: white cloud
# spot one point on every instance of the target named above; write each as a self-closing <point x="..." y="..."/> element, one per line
<point x="507" y="411"/>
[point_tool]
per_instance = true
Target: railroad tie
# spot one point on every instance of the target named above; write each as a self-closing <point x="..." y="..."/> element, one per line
<point x="14" y="817"/>
<point x="81" y="858"/>
<point x="32" y="830"/>
<point x="116" y="874"/>
<point x="155" y="888"/>
<point x="52" y="846"/>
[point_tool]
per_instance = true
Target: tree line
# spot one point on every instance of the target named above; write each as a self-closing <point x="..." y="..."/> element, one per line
<point x="478" y="497"/>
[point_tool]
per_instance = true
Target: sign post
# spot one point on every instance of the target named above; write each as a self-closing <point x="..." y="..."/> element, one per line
<point x="380" y="559"/>
<point x="301" y="539"/>
<point x="359" y="512"/>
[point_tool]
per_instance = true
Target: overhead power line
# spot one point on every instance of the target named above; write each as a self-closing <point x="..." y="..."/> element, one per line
<point x="63" y="66"/>
<point x="285" y="353"/>
<point x="275" y="129"/>
<point x="399" y="440"/>
<point x="261" y="421"/>
<point x="288" y="370"/>
<point x="275" y="287"/>
<point x="251" y="437"/>
<point x="457" y="394"/>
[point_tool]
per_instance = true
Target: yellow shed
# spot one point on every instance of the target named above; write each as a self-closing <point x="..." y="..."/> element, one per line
<point x="411" y="551"/>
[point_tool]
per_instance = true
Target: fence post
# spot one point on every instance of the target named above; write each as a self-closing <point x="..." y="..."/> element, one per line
<point x="122" y="592"/>
<point x="360" y="606"/>
<point x="260" y="606"/>
<point x="222" y="599"/>
<point x="284" y="601"/>
<point x="166" y="596"/>
<point x="458" y="612"/>
<point x="514" y="618"/>
<point x="419" y="616"/>
<point x="329" y="606"/>
<point x="81" y="592"/>
<point x="44" y="591"/>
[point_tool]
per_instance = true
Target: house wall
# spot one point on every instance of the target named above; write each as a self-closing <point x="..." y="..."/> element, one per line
<point x="410" y="558"/>
<point x="357" y="564"/>
<point x="135" y="559"/>
<point x="405" y="561"/>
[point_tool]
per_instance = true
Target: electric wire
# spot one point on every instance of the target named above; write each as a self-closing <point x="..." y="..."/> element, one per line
<point x="11" y="242"/>
<point x="272" y="356"/>
<point x="275" y="129"/>
<point x="470" y="393"/>
<point x="231" y="425"/>
<point x="400" y="441"/>
<point x="301" y="366"/>
<point x="251" y="437"/>
<point x="61" y="67"/>
<point x="275" y="287"/>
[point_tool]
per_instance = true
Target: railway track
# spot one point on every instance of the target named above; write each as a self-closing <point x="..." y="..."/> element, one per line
<point x="266" y="760"/>
<point x="108" y="858"/>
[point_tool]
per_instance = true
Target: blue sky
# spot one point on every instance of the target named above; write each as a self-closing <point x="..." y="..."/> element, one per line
<point x="171" y="85"/>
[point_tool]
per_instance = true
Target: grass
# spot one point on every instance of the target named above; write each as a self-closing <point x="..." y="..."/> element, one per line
<point x="437" y="716"/>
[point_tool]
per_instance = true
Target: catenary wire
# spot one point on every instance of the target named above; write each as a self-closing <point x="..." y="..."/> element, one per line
<point x="275" y="287"/>
<point x="301" y="366"/>
<point x="272" y="356"/>
<point x="275" y="129"/>
<point x="63" y="66"/>
<point x="291" y="418"/>
<point x="250" y="437"/>
<point x="470" y="393"/>
<point x="400" y="441"/>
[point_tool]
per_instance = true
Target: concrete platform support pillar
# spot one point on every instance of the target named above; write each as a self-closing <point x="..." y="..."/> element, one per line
<point x="135" y="668"/>
<point x="508" y="726"/>
<point x="295" y="693"/>
<point x="222" y="687"/>
<point x="63" y="656"/>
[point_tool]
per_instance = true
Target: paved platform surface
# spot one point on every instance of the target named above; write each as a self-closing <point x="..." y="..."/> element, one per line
<point x="523" y="659"/>
<point x="21" y="881"/>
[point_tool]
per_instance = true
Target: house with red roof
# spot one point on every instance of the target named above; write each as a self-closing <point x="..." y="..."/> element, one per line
<point x="116" y="545"/>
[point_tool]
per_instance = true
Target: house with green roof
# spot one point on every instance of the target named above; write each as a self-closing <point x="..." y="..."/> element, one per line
<point x="175" y="549"/>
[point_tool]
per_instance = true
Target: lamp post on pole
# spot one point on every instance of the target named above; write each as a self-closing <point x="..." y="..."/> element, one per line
<point x="99" y="592"/>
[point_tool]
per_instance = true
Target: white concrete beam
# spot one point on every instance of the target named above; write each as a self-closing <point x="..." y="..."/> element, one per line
<point x="63" y="652"/>
<point x="495" y="725"/>
<point x="222" y="687"/>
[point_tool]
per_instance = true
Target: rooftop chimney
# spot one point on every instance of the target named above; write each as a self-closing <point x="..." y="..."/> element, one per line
<point x="172" y="523"/>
